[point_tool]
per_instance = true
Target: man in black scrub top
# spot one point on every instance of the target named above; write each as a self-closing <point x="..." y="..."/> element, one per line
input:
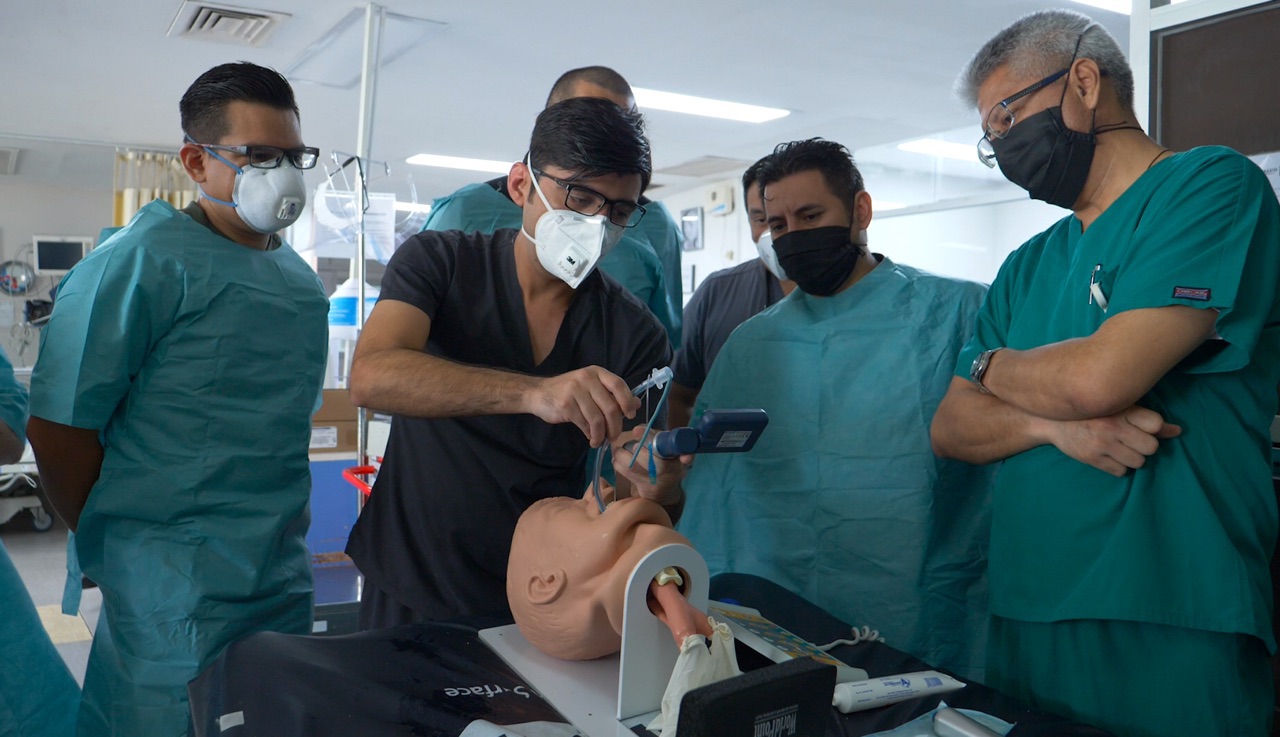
<point x="502" y="358"/>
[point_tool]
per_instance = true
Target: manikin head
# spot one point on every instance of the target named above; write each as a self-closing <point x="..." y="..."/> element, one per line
<point x="569" y="566"/>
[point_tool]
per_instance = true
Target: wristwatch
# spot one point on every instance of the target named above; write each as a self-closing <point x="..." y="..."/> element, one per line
<point x="979" y="368"/>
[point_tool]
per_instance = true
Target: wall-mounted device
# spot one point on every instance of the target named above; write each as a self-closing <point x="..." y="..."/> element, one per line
<point x="54" y="255"/>
<point x="719" y="200"/>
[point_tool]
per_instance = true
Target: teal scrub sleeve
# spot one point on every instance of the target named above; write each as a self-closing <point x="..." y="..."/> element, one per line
<point x="446" y="214"/>
<point x="474" y="208"/>
<point x="667" y="241"/>
<point x="1210" y="244"/>
<point x="13" y="399"/>
<point x="113" y="310"/>
<point x="634" y="265"/>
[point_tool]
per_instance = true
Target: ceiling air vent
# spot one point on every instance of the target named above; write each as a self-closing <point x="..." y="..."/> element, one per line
<point x="8" y="160"/>
<point x="225" y="23"/>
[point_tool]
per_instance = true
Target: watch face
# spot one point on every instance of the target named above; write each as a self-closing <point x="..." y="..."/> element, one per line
<point x="16" y="277"/>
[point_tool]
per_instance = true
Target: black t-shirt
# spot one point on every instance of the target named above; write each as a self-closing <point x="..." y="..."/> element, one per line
<point x="437" y="530"/>
<point x="723" y="301"/>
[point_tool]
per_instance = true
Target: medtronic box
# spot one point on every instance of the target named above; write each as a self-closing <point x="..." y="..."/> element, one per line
<point x="337" y="407"/>
<point x="333" y="437"/>
<point x="785" y="700"/>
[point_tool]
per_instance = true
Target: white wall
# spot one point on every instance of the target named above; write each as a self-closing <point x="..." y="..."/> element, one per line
<point x="726" y="238"/>
<point x="28" y="209"/>
<point x="965" y="242"/>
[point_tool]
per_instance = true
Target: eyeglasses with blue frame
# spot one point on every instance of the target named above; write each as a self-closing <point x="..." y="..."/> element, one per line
<point x="269" y="157"/>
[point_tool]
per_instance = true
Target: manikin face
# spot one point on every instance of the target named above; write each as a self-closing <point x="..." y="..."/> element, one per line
<point x="568" y="570"/>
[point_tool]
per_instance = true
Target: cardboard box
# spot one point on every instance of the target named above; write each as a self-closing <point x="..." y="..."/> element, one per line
<point x="333" y="437"/>
<point x="337" y="407"/>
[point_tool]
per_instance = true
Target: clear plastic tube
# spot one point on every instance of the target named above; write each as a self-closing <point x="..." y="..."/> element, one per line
<point x="660" y="377"/>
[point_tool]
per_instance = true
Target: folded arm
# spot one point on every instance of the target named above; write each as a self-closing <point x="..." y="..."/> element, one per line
<point x="1078" y="395"/>
<point x="1103" y="373"/>
<point x="982" y="428"/>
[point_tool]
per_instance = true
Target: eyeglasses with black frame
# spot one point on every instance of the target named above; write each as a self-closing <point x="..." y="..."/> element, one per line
<point x="1000" y="118"/>
<point x="586" y="201"/>
<point x="270" y="157"/>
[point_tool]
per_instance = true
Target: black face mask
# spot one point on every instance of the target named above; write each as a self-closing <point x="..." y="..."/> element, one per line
<point x="1046" y="158"/>
<point x="819" y="260"/>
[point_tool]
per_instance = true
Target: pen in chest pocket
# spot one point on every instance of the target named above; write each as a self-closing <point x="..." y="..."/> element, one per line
<point x="1095" y="288"/>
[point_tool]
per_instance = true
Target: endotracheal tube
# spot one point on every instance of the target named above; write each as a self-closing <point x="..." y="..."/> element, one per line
<point x="660" y="378"/>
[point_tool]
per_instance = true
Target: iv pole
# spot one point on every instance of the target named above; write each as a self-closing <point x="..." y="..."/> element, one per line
<point x="374" y="21"/>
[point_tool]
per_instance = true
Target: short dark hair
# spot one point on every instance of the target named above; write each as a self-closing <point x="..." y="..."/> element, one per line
<point x="591" y="137"/>
<point x="832" y="159"/>
<point x="599" y="76"/>
<point x="751" y="176"/>
<point x="204" y="105"/>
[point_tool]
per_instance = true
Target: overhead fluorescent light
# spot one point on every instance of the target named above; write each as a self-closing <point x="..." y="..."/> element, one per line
<point x="458" y="162"/>
<point x="691" y="105"/>
<point x="941" y="149"/>
<point x="1124" y="7"/>
<point x="413" y="206"/>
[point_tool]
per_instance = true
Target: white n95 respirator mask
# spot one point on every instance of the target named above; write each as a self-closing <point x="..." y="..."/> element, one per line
<point x="769" y="256"/>
<point x="267" y="200"/>
<point x="569" y="244"/>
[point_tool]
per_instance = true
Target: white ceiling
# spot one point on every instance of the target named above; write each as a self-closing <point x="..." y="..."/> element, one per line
<point x="84" y="76"/>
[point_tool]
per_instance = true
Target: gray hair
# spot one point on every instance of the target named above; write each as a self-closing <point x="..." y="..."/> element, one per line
<point x="1041" y="43"/>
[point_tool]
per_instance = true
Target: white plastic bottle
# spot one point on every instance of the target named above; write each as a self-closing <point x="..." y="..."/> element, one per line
<point x="342" y="328"/>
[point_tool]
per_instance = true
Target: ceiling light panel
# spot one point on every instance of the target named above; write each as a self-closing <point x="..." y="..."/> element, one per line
<point x="491" y="166"/>
<point x="688" y="104"/>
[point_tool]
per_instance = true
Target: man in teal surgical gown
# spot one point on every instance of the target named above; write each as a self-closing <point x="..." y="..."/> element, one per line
<point x="1124" y="369"/>
<point x="171" y="408"/>
<point x="647" y="259"/>
<point x="841" y="500"/>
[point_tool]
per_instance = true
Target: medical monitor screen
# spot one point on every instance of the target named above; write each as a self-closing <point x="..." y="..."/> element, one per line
<point x="54" y="256"/>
